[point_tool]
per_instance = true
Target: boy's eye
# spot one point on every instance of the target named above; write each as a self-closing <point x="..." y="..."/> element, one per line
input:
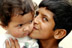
<point x="36" y="14"/>
<point x="45" y="19"/>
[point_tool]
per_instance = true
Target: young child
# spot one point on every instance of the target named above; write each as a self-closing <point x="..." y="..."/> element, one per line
<point x="16" y="17"/>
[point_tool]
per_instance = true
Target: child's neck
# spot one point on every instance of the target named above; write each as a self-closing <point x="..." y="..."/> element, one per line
<point x="7" y="33"/>
<point x="48" y="43"/>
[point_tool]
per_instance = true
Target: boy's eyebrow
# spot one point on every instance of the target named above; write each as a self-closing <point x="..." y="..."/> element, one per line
<point x="44" y="15"/>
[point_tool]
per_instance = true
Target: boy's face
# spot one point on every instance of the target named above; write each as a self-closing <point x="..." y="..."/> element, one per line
<point x="20" y="26"/>
<point x="43" y="25"/>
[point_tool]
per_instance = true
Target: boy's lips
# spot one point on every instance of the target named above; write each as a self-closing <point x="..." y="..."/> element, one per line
<point x="35" y="28"/>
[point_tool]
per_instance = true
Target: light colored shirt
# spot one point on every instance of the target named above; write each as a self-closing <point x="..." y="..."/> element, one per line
<point x="24" y="42"/>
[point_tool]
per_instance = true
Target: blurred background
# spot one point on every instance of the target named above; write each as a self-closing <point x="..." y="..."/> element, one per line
<point x="65" y="43"/>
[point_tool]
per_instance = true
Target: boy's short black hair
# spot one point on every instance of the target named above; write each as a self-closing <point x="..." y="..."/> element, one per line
<point x="62" y="13"/>
<point x="8" y="7"/>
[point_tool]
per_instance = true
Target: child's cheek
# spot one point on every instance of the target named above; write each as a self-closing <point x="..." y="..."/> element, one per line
<point x="17" y="33"/>
<point x="31" y="27"/>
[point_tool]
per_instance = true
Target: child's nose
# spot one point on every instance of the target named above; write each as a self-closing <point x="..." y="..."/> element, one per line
<point x="28" y="28"/>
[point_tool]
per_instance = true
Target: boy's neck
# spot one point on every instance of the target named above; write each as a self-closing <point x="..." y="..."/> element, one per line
<point x="48" y="43"/>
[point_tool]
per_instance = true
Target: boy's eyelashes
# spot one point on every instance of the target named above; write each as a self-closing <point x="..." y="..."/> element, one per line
<point x="45" y="19"/>
<point x="36" y="13"/>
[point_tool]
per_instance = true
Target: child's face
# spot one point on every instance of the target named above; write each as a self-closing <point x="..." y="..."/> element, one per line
<point x="20" y="26"/>
<point x="43" y="25"/>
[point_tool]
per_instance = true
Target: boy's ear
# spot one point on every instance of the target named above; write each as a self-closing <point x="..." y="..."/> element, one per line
<point x="59" y="33"/>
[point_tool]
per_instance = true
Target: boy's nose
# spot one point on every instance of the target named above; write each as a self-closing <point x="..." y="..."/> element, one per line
<point x="36" y="20"/>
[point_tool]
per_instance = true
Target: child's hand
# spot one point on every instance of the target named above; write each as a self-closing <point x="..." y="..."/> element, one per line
<point x="14" y="43"/>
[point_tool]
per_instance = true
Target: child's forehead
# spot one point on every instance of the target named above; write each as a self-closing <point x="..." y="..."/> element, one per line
<point x="22" y="19"/>
<point x="19" y="11"/>
<point x="16" y="11"/>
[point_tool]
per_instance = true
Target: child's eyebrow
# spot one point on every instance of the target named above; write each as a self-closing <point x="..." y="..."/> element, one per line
<point x="22" y="13"/>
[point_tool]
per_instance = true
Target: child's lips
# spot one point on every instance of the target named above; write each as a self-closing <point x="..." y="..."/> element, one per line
<point x="26" y="33"/>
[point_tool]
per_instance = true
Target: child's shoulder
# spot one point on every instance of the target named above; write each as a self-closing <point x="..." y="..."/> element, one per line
<point x="2" y="40"/>
<point x="3" y="37"/>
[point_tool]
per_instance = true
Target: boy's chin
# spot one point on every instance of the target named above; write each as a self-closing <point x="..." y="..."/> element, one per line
<point x="30" y="35"/>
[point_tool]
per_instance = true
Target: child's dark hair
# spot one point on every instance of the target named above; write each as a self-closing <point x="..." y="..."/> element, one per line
<point x="62" y="13"/>
<point x="9" y="7"/>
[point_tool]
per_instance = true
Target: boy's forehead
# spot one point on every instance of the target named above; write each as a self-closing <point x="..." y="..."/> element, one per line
<point x="45" y="11"/>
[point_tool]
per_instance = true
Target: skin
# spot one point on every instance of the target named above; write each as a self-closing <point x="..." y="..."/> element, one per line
<point x="14" y="44"/>
<point x="43" y="25"/>
<point x="20" y="26"/>
<point x="43" y="29"/>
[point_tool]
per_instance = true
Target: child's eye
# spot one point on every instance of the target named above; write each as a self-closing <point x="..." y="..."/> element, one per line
<point x="45" y="19"/>
<point x="31" y="21"/>
<point x="20" y="25"/>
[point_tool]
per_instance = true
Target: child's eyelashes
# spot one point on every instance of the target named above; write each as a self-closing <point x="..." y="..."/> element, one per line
<point x="30" y="21"/>
<point x="20" y="25"/>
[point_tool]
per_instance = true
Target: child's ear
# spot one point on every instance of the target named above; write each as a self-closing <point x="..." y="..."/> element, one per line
<point x="59" y="33"/>
<point x="4" y="27"/>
